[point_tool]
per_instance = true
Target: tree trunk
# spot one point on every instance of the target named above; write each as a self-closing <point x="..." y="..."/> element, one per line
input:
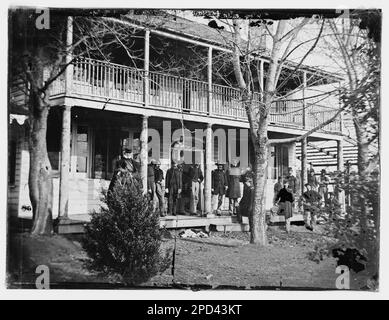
<point x="40" y="179"/>
<point x="258" y="218"/>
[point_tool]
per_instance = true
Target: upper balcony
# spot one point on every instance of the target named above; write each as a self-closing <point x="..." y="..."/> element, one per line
<point x="98" y="79"/>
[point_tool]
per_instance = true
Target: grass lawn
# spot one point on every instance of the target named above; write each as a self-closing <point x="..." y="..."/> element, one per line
<point x="223" y="260"/>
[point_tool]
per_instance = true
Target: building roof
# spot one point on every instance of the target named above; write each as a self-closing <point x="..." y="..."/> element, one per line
<point x="177" y="25"/>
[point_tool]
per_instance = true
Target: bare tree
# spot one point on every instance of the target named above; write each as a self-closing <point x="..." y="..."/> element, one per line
<point x="38" y="57"/>
<point x="285" y="41"/>
<point x="358" y="56"/>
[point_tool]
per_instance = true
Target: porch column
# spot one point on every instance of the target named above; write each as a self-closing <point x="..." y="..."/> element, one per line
<point x="262" y="78"/>
<point x="304" y="102"/>
<point x="340" y="167"/>
<point x="208" y="170"/>
<point x="146" y="68"/>
<point x="304" y="173"/>
<point x="69" y="56"/>
<point x="209" y="80"/>
<point x="143" y="152"/>
<point x="65" y="160"/>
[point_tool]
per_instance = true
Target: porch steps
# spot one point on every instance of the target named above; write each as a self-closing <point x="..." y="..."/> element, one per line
<point x="295" y="218"/>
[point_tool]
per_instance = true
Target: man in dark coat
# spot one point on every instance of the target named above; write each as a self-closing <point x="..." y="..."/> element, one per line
<point x="151" y="180"/>
<point x="173" y="187"/>
<point x="312" y="203"/>
<point x="277" y="187"/>
<point x="285" y="199"/>
<point x="233" y="182"/>
<point x="219" y="185"/>
<point x="246" y="203"/>
<point x="159" y="193"/>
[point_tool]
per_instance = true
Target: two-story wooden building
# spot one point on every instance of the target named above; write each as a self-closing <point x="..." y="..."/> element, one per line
<point x="105" y="105"/>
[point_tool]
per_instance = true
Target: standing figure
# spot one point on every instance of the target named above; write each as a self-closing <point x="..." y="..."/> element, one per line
<point x="246" y="203"/>
<point x="159" y="194"/>
<point x="311" y="199"/>
<point x="173" y="187"/>
<point x="292" y="181"/>
<point x="219" y="185"/>
<point x="285" y="200"/>
<point x="233" y="185"/>
<point x="277" y="187"/>
<point x="324" y="181"/>
<point x="312" y="180"/>
<point x="151" y="181"/>
<point x="334" y="208"/>
<point x="126" y="171"/>
<point x="182" y="202"/>
<point x="196" y="177"/>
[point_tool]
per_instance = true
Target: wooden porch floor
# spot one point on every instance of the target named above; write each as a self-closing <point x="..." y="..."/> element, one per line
<point x="76" y="223"/>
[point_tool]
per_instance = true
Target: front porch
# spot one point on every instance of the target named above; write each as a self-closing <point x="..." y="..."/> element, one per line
<point x="225" y="223"/>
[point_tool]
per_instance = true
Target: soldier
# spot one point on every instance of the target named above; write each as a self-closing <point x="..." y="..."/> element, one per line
<point x="277" y="187"/>
<point x="196" y="177"/>
<point x="292" y="181"/>
<point x="173" y="187"/>
<point x="151" y="180"/>
<point x="324" y="181"/>
<point x="285" y="199"/>
<point x="159" y="194"/>
<point x="311" y="199"/>
<point x="219" y="185"/>
<point x="246" y="203"/>
<point x="233" y="182"/>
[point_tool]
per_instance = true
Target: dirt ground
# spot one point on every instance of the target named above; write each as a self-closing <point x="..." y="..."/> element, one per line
<point x="221" y="261"/>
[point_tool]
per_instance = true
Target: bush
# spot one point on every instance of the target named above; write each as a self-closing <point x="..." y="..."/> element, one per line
<point x="356" y="232"/>
<point x="124" y="236"/>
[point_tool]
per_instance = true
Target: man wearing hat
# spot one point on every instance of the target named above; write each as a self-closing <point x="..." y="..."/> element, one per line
<point x="324" y="181"/>
<point x="196" y="178"/>
<point x="219" y="185"/>
<point x="233" y="182"/>
<point x="159" y="194"/>
<point x="311" y="199"/>
<point x="285" y="200"/>
<point x="151" y="181"/>
<point x="173" y="187"/>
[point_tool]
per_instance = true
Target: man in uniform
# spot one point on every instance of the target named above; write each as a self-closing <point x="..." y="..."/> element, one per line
<point x="159" y="194"/>
<point x="173" y="187"/>
<point x="219" y="185"/>
<point x="196" y="177"/>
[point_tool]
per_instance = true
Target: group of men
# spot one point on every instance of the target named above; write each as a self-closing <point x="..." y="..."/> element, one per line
<point x="180" y="184"/>
<point x="316" y="195"/>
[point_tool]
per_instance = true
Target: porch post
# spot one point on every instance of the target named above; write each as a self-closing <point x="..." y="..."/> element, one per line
<point x="304" y="102"/>
<point x="146" y="67"/>
<point x="262" y="78"/>
<point x="143" y="152"/>
<point x="69" y="56"/>
<point x="208" y="170"/>
<point x="209" y="80"/>
<point x="340" y="167"/>
<point x="304" y="173"/>
<point x="65" y="160"/>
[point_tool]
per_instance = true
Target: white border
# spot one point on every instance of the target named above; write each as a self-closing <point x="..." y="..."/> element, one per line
<point x="181" y="294"/>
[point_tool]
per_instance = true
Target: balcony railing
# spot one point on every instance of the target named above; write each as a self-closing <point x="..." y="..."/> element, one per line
<point x="95" y="78"/>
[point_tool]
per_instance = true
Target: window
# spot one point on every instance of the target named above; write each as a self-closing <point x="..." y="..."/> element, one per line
<point x="12" y="163"/>
<point x="82" y="149"/>
<point x="53" y="139"/>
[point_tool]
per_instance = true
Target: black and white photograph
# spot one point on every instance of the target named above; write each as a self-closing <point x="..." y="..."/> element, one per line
<point x="201" y="150"/>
